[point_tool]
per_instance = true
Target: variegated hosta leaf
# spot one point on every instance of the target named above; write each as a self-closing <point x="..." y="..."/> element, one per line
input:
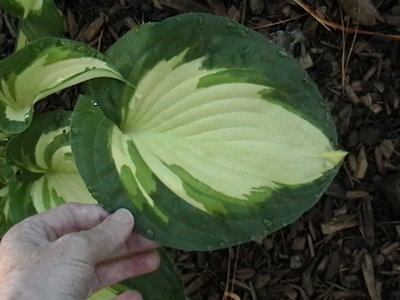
<point x="43" y="153"/>
<point x="3" y="136"/>
<point x="224" y="137"/>
<point x="21" y="8"/>
<point x="163" y="284"/>
<point x="44" y="67"/>
<point x="5" y="219"/>
<point x="39" y="18"/>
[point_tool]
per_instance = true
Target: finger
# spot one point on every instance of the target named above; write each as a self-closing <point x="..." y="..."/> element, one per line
<point x="100" y="242"/>
<point x="134" y="244"/>
<point x="113" y="272"/>
<point x="52" y="224"/>
<point x="131" y="295"/>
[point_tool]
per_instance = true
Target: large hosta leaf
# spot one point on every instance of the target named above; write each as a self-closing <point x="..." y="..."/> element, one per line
<point x="38" y="17"/>
<point x="46" y="66"/>
<point x="49" y="176"/>
<point x="220" y="137"/>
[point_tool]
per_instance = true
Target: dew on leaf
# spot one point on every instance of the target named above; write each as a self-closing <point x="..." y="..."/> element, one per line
<point x="244" y="32"/>
<point x="80" y="48"/>
<point x="306" y="80"/>
<point x="61" y="42"/>
<point x="74" y="130"/>
<point x="230" y="25"/>
<point x="200" y="20"/>
<point x="267" y="223"/>
<point x="282" y="53"/>
<point x="150" y="233"/>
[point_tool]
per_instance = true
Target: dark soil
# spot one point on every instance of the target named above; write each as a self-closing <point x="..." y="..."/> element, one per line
<point x="348" y="245"/>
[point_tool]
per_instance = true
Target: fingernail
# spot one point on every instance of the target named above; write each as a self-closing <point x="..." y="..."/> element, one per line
<point x="123" y="216"/>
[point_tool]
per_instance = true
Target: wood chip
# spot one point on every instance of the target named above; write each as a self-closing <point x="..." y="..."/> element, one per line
<point x="339" y="223"/>
<point x="333" y="267"/>
<point x="362" y="12"/>
<point x="196" y="284"/>
<point x="369" y="278"/>
<point x="376" y="108"/>
<point x="92" y="30"/>
<point x="218" y="7"/>
<point x="184" y="5"/>
<point x="233" y="14"/>
<point x="262" y="281"/>
<point x="362" y="164"/>
<point x="296" y="261"/>
<point x="299" y="243"/>
<point x="351" y="94"/>
<point x="370" y="72"/>
<point x="72" y="25"/>
<point x="356" y="194"/>
<point x="245" y="273"/>
<point x="256" y="6"/>
<point x="392" y="247"/>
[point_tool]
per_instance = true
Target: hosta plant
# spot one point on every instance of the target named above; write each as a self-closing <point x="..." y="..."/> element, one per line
<point x="209" y="133"/>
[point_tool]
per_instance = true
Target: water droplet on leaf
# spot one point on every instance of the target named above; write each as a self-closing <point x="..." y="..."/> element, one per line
<point x="80" y="48"/>
<point x="61" y="42"/>
<point x="268" y="224"/>
<point x="150" y="233"/>
<point x="244" y="32"/>
<point x="306" y="80"/>
<point x="230" y="25"/>
<point x="74" y="130"/>
<point x="200" y="20"/>
<point x="282" y="53"/>
<point x="95" y="103"/>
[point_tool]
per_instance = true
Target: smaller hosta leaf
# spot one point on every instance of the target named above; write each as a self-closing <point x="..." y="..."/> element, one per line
<point x="46" y="21"/>
<point x="46" y="66"/>
<point x="163" y="284"/>
<point x="19" y="201"/>
<point x="48" y="173"/>
<point x="38" y="17"/>
<point x="21" y="8"/>
<point x="5" y="219"/>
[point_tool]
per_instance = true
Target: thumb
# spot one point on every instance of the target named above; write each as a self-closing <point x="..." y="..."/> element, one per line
<point x="100" y="242"/>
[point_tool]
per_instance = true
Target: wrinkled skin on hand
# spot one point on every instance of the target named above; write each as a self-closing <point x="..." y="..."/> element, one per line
<point x="72" y="251"/>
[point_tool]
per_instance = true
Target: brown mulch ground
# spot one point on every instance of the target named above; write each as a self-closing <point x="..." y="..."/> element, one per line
<point x="348" y="245"/>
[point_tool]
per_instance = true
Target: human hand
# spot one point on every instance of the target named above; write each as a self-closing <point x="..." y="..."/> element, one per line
<point x="70" y="252"/>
